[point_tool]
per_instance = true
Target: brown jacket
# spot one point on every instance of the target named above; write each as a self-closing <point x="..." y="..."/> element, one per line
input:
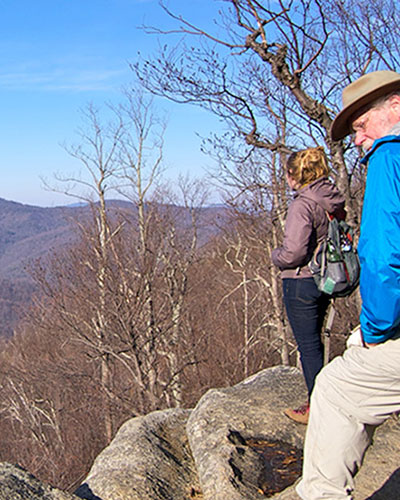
<point x="306" y="225"/>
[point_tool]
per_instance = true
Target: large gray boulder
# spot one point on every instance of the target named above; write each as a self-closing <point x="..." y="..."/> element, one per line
<point x="149" y="459"/>
<point x="226" y="419"/>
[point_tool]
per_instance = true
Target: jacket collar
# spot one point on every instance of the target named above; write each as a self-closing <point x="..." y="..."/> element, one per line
<point x="379" y="142"/>
<point x="308" y="186"/>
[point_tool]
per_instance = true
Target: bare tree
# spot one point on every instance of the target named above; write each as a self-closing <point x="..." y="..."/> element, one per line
<point x="98" y="152"/>
<point x="264" y="60"/>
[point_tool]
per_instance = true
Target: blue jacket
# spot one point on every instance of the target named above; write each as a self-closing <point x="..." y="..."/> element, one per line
<point x="379" y="245"/>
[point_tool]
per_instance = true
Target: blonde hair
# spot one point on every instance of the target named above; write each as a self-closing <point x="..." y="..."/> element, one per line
<point x="307" y="165"/>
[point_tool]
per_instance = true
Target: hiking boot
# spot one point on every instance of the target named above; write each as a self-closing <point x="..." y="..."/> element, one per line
<point x="300" y="414"/>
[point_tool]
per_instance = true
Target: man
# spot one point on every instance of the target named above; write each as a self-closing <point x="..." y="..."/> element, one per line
<point x="361" y="389"/>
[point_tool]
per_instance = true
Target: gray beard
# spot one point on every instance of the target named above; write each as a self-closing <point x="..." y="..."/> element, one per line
<point x="395" y="130"/>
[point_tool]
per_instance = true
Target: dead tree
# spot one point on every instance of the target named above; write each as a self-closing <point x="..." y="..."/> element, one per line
<point x="261" y="56"/>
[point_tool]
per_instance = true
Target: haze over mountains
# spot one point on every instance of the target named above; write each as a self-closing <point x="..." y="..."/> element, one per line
<point x="28" y="233"/>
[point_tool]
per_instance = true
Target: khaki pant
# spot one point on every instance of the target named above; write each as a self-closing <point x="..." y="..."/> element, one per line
<point x="353" y="394"/>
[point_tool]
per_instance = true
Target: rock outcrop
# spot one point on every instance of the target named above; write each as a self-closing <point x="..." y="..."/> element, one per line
<point x="214" y="452"/>
<point x="226" y="419"/>
<point x="149" y="458"/>
<point x="18" y="484"/>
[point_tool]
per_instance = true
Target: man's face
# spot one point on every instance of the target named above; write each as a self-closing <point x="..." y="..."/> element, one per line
<point x="375" y="122"/>
<point x="371" y="125"/>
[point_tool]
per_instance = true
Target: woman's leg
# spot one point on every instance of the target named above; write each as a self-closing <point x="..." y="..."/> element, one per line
<point x="306" y="307"/>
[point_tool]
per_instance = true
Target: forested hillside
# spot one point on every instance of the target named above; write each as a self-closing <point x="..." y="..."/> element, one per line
<point x="30" y="234"/>
<point x="27" y="233"/>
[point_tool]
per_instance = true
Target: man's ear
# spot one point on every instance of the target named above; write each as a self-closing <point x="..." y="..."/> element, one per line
<point x="395" y="105"/>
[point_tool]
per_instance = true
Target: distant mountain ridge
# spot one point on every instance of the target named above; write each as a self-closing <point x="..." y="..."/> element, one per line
<point x="28" y="232"/>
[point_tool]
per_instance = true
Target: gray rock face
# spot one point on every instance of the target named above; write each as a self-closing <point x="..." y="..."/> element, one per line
<point x="379" y="477"/>
<point x="17" y="484"/>
<point x="149" y="458"/>
<point x="225" y="419"/>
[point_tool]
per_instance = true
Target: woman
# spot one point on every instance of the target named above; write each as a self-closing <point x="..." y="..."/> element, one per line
<point x="306" y="225"/>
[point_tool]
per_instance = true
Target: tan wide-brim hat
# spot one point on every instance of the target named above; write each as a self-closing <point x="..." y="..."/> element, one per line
<point x="360" y="93"/>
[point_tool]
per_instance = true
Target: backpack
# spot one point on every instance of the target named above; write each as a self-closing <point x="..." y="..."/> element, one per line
<point x="335" y="265"/>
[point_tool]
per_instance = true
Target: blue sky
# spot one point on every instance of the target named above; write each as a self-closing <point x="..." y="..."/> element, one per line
<point x="56" y="56"/>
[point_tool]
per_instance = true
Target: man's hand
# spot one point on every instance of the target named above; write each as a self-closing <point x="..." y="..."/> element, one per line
<point x="355" y="338"/>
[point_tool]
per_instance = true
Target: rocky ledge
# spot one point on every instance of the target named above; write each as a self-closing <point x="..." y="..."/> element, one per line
<point x="235" y="444"/>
